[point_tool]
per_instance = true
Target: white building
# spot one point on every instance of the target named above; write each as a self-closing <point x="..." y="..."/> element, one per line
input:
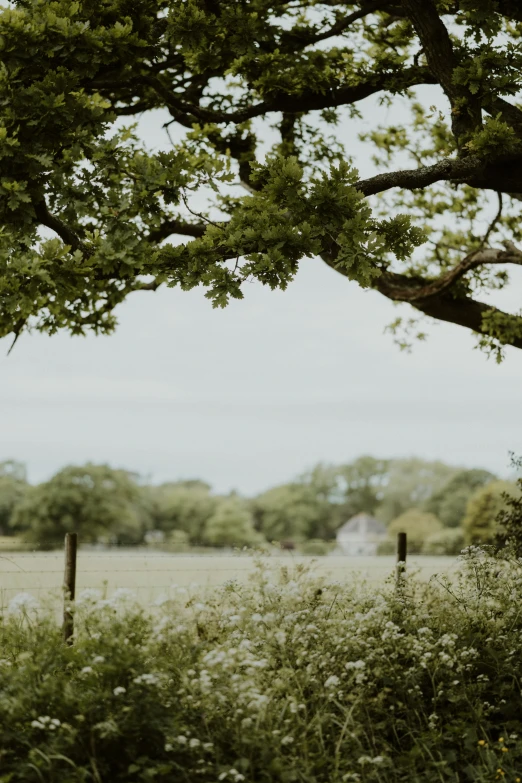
<point x="361" y="535"/>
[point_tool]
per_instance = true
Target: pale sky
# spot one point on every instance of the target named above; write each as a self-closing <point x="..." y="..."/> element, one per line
<point x="250" y="396"/>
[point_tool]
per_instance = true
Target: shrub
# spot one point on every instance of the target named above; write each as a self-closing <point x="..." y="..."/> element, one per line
<point x="295" y="679"/>
<point x="316" y="546"/>
<point x="387" y="547"/>
<point x="445" y="542"/>
<point x="178" y="541"/>
<point x="483" y="508"/>
<point x="417" y="525"/>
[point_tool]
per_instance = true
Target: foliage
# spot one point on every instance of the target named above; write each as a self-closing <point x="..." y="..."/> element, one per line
<point x="509" y="519"/>
<point x="479" y="523"/>
<point x="13" y="488"/>
<point x="284" y="678"/>
<point x="89" y="214"/>
<point x="289" y="512"/>
<point x="184" y="505"/>
<point x="449" y="541"/>
<point x="418" y="526"/>
<point x="95" y="501"/>
<point x="316" y="547"/>
<point x="449" y="503"/>
<point x="178" y="540"/>
<point x="312" y="506"/>
<point x="410" y="483"/>
<point x="231" y="524"/>
<point x="363" y="484"/>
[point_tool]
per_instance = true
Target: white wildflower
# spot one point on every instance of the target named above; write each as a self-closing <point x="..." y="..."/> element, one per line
<point x="287" y="740"/>
<point x="119" y="690"/>
<point x="332" y="681"/>
<point x="88" y="596"/>
<point x="86" y="670"/>
<point x="355" y="665"/>
<point x="23" y="602"/>
<point x="147" y="679"/>
<point x="123" y="594"/>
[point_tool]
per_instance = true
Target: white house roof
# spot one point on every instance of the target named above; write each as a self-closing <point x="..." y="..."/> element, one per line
<point x="363" y="524"/>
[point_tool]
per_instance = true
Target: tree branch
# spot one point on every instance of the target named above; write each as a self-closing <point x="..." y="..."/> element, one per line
<point x="308" y="101"/>
<point x="305" y="38"/>
<point x="170" y="227"/>
<point x="65" y="233"/>
<point x="438" y="49"/>
<point x="401" y="288"/>
<point x="449" y="169"/>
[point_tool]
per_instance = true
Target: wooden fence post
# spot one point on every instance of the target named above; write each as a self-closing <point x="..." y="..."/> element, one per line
<point x="402" y="549"/>
<point x="71" y="545"/>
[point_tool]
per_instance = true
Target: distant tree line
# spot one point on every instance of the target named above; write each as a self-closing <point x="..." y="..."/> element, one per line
<point x="441" y="507"/>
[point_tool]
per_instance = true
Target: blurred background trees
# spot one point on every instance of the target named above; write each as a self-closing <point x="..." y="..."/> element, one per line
<point x="441" y="507"/>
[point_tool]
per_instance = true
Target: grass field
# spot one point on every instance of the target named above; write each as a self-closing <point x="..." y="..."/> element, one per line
<point x="152" y="574"/>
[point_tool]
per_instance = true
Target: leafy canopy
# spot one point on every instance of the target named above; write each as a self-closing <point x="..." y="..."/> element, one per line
<point x="88" y="214"/>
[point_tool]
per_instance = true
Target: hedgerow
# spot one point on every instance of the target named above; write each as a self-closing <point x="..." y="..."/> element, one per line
<point x="286" y="678"/>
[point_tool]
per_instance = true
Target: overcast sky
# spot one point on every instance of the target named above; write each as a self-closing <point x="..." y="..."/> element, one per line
<point x="251" y="396"/>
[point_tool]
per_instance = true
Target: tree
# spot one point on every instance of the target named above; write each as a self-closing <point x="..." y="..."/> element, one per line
<point x="95" y="501"/>
<point x="90" y="215"/>
<point x="363" y="481"/>
<point x="184" y="505"/>
<point x="508" y="533"/>
<point x="484" y="506"/>
<point x="286" y="512"/>
<point x="410" y="483"/>
<point x="231" y="525"/>
<point x="13" y="488"/>
<point x="418" y="526"/>
<point x="449" y="541"/>
<point x="449" y="503"/>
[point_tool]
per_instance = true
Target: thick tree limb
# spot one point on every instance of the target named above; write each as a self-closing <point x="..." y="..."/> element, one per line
<point x="308" y="101"/>
<point x="413" y="290"/>
<point x="170" y="227"/>
<point x="64" y="231"/>
<point x="438" y="49"/>
<point x="450" y="169"/>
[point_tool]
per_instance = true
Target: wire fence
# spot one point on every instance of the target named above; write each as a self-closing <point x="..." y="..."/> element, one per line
<point x="150" y="574"/>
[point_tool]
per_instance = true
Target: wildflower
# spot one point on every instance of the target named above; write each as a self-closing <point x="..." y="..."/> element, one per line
<point x="119" y="690"/>
<point x="147" y="679"/>
<point x="89" y="595"/>
<point x="168" y="747"/>
<point x="287" y="740"/>
<point x="181" y="739"/>
<point x="98" y="659"/>
<point x="355" y="665"/>
<point x="123" y="594"/>
<point x="86" y="670"/>
<point x="22" y="602"/>
<point x="332" y="681"/>
<point x="194" y="743"/>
